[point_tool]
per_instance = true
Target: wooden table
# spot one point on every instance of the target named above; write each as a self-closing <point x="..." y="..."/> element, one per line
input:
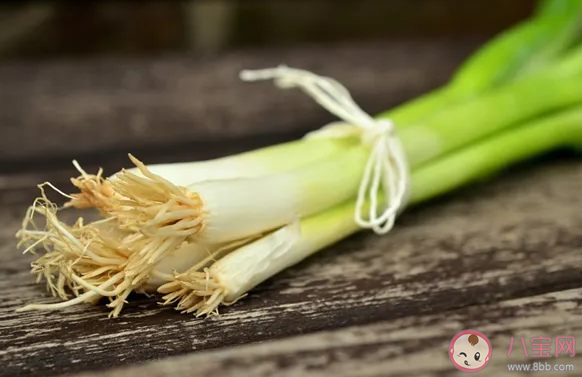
<point x="503" y="257"/>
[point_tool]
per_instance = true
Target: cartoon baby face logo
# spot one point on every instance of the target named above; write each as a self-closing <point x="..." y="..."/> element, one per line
<point x="470" y="351"/>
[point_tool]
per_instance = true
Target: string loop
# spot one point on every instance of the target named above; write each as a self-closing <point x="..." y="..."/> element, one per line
<point x="386" y="168"/>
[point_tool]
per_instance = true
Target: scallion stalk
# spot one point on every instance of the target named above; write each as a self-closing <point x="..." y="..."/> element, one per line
<point x="235" y="274"/>
<point x="263" y="161"/>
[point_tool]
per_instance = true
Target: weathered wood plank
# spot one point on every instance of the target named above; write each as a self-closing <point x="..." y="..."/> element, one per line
<point x="80" y="107"/>
<point x="415" y="346"/>
<point x="517" y="237"/>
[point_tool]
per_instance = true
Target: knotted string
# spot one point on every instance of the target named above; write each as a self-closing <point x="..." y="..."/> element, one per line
<point x="386" y="167"/>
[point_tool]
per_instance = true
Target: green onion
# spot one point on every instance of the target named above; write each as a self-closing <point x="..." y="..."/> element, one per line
<point x="205" y="233"/>
<point x="232" y="276"/>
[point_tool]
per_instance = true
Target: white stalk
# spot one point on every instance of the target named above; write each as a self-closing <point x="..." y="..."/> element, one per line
<point x="190" y="256"/>
<point x="178" y="261"/>
<point x="96" y="192"/>
<point x="243" y="269"/>
<point x="226" y="210"/>
<point x="263" y="161"/>
<point x="239" y="208"/>
<point x="233" y="275"/>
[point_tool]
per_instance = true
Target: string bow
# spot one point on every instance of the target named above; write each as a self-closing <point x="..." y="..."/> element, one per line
<point x="386" y="168"/>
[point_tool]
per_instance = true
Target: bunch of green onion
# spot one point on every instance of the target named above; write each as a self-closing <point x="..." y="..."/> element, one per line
<point x="204" y="233"/>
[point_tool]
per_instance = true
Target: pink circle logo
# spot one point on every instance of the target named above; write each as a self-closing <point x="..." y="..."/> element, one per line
<point x="470" y="351"/>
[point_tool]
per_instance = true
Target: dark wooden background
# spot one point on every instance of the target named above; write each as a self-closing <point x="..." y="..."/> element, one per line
<point x="502" y="257"/>
<point x="144" y="28"/>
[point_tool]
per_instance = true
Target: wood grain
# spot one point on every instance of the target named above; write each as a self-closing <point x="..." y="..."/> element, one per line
<point x="415" y="346"/>
<point x="517" y="237"/>
<point x="74" y="108"/>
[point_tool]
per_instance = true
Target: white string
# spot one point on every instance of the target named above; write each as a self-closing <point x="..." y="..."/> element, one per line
<point x="386" y="168"/>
